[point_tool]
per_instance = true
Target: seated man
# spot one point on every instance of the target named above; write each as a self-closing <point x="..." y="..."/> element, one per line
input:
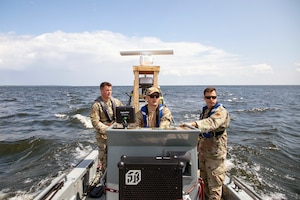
<point x="153" y="114"/>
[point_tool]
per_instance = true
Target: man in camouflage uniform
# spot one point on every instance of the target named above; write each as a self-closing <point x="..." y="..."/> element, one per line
<point x="102" y="116"/>
<point x="212" y="147"/>
<point x="153" y="114"/>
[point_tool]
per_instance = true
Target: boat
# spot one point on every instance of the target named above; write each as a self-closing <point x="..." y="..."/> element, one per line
<point x="143" y="163"/>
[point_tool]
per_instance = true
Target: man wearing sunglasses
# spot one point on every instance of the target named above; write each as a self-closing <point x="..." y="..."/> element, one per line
<point x="153" y="114"/>
<point x="212" y="145"/>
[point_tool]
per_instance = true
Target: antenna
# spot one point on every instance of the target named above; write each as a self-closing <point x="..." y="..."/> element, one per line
<point x="146" y="54"/>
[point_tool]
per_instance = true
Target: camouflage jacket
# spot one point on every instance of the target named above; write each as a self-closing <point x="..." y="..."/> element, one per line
<point x="214" y="147"/>
<point x="217" y="122"/>
<point x="99" y="118"/>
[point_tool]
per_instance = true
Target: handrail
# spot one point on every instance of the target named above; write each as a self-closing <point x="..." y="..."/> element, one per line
<point x="244" y="187"/>
<point x="55" y="185"/>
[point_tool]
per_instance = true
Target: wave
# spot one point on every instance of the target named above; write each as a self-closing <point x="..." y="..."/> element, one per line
<point x="45" y="130"/>
<point x="235" y="100"/>
<point x="61" y="115"/>
<point x="254" y="110"/>
<point x="13" y="147"/>
<point x="86" y="121"/>
<point x="256" y="161"/>
<point x="22" y="160"/>
<point x="5" y="194"/>
<point x="9" y="100"/>
<point x="20" y="115"/>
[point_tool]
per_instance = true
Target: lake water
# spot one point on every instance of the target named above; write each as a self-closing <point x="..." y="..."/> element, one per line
<point x="45" y="130"/>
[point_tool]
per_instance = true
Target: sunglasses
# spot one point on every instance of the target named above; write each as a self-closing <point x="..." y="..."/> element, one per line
<point x="154" y="95"/>
<point x="210" y="97"/>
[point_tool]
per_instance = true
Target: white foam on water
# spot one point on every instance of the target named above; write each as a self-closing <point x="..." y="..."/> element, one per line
<point x="229" y="164"/>
<point x="20" y="195"/>
<point x="86" y="121"/>
<point x="80" y="153"/>
<point x="275" y="196"/>
<point x="61" y="115"/>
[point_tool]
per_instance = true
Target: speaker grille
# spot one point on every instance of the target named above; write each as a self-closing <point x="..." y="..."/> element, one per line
<point x="150" y="178"/>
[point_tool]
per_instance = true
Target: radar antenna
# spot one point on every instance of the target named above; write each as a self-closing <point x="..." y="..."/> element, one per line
<point x="146" y="54"/>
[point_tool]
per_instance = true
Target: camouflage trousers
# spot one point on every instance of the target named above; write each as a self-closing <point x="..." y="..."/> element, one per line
<point x="212" y="155"/>
<point x="102" y="152"/>
<point x="213" y="174"/>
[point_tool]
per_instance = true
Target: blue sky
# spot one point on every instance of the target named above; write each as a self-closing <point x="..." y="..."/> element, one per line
<point x="77" y="42"/>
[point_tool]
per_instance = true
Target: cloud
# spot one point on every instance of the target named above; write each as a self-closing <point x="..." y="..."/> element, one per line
<point x="297" y="67"/>
<point x="262" y="68"/>
<point x="88" y="58"/>
<point x="54" y="50"/>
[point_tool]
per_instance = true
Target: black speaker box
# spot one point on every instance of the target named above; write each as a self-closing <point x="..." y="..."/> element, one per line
<point x="142" y="178"/>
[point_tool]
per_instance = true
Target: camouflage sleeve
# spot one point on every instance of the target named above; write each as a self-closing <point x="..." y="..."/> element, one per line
<point x="218" y="121"/>
<point x="139" y="122"/>
<point x="166" y="119"/>
<point x="95" y="117"/>
<point x="118" y="102"/>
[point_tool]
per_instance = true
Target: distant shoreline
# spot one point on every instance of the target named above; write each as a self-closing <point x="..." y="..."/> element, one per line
<point x="131" y="85"/>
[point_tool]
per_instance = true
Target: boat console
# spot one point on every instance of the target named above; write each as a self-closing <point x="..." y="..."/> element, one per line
<point x="151" y="163"/>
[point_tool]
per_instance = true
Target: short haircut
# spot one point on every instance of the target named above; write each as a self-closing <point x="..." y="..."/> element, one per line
<point x="103" y="84"/>
<point x="209" y="89"/>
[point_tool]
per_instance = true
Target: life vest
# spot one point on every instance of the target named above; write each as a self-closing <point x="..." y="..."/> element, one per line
<point x="212" y="111"/>
<point x="159" y="114"/>
<point x="104" y="108"/>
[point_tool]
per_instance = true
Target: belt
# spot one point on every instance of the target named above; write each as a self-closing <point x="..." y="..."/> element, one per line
<point x="211" y="134"/>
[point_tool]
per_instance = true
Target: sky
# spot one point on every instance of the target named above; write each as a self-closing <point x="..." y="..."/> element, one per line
<point x="215" y="42"/>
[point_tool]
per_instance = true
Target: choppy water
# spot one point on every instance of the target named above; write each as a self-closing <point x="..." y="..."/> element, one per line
<point x="46" y="130"/>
